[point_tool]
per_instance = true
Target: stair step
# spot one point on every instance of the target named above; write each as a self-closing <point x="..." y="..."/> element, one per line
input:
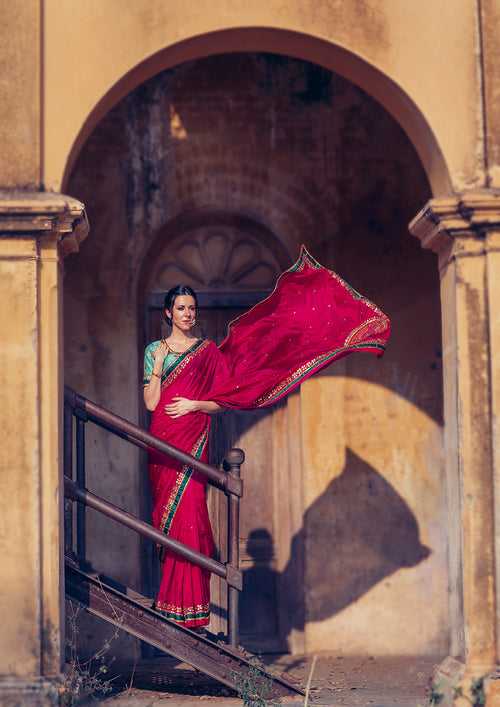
<point x="132" y="613"/>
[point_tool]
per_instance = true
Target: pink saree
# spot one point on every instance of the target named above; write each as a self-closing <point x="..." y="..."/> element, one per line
<point x="312" y="318"/>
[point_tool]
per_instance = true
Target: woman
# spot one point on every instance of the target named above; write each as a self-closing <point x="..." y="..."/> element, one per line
<point x="312" y="318"/>
<point x="181" y="365"/>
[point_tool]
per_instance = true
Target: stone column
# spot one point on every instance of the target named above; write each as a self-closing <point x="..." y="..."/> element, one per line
<point x="35" y="231"/>
<point x="465" y="232"/>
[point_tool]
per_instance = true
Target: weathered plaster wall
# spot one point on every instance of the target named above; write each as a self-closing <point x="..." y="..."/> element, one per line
<point x="393" y="37"/>
<point x="20" y="94"/>
<point x="372" y="430"/>
<point x="490" y="108"/>
<point x="19" y="543"/>
<point x="493" y="283"/>
<point x="31" y="500"/>
<point x="314" y="160"/>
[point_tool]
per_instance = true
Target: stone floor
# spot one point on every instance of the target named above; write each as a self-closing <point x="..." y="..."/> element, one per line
<point x="336" y="681"/>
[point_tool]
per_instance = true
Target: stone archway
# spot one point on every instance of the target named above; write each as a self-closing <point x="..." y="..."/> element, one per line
<point x="330" y="55"/>
<point x="217" y="258"/>
<point x="214" y="250"/>
<point x="310" y="165"/>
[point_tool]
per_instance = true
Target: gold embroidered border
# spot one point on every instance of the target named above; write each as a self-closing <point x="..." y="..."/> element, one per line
<point x="357" y="295"/>
<point x="182" y="614"/>
<point x="298" y="266"/>
<point x="351" y="338"/>
<point x="174" y="608"/>
<point x="289" y="381"/>
<point x="312" y="363"/>
<point x="306" y="258"/>
<point x="179" y="487"/>
<point x="173" y="495"/>
<point x="182" y="365"/>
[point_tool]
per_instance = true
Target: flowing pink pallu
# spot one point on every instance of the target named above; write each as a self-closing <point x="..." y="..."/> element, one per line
<point x="312" y="318"/>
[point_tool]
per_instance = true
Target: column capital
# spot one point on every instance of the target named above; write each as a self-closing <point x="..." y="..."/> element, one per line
<point x="35" y="214"/>
<point x="463" y="224"/>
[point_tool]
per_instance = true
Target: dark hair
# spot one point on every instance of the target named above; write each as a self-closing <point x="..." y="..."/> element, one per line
<point x="175" y="292"/>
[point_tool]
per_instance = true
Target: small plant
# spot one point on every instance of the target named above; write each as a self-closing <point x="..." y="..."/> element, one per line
<point x="476" y="697"/>
<point x="434" y="694"/>
<point x="84" y="679"/>
<point x="477" y="694"/>
<point x="255" y="688"/>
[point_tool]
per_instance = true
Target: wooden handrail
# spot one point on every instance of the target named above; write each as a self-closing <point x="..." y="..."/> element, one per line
<point x="228" y="482"/>
<point x="84" y="410"/>
<point x="232" y="576"/>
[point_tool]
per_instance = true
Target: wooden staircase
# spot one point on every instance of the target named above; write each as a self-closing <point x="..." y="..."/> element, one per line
<point x="130" y="612"/>
<point x="125" y="608"/>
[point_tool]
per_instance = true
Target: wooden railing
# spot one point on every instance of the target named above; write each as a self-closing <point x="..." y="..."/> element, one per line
<point x="77" y="412"/>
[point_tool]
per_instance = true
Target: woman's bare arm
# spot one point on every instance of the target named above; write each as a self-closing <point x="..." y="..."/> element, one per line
<point x="152" y="391"/>
<point x="207" y="406"/>
<point x="181" y="406"/>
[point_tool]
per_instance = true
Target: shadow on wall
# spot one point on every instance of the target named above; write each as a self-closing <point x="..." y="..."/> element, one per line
<point x="359" y="531"/>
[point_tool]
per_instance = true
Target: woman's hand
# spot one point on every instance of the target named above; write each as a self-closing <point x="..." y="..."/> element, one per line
<point x="159" y="353"/>
<point x="181" y="406"/>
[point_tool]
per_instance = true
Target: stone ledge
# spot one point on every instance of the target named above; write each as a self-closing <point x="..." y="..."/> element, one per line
<point x="466" y="224"/>
<point x="37" y="213"/>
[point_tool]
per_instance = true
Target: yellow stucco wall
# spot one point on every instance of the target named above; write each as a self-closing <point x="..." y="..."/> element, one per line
<point x="20" y="106"/>
<point x="490" y="25"/>
<point x="357" y="432"/>
<point x="19" y="541"/>
<point x="406" y="42"/>
<point x="30" y="498"/>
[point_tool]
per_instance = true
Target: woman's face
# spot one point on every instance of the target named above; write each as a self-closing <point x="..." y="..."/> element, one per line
<point x="183" y="312"/>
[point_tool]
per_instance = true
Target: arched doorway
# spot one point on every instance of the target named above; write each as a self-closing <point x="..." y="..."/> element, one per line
<point x="301" y="151"/>
<point x="220" y="254"/>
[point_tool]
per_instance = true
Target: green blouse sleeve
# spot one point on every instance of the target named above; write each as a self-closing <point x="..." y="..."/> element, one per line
<point x="148" y="362"/>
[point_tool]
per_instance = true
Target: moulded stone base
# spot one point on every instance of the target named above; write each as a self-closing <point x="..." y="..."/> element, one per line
<point x="16" y="692"/>
<point x="447" y="677"/>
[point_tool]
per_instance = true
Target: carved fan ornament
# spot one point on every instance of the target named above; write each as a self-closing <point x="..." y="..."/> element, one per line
<point x="216" y="259"/>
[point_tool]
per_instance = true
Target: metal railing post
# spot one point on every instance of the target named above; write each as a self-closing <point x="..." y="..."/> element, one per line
<point x="232" y="463"/>
<point x="81" y="419"/>
<point x="68" y="472"/>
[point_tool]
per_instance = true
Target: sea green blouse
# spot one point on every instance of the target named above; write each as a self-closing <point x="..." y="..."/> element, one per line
<point x="149" y="360"/>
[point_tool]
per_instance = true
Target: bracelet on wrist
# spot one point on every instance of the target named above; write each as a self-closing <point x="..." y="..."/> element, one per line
<point x="158" y="375"/>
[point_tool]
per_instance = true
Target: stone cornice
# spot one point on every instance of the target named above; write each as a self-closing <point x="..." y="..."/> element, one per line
<point x="40" y="213"/>
<point x="467" y="217"/>
<point x="458" y="226"/>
